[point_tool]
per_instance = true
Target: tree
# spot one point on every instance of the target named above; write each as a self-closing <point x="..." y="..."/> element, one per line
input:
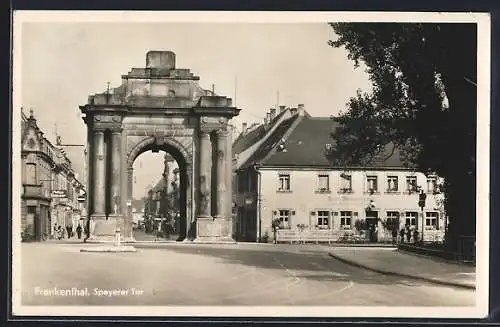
<point x="423" y="106"/>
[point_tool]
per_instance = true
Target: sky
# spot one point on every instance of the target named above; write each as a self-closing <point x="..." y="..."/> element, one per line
<point x="256" y="64"/>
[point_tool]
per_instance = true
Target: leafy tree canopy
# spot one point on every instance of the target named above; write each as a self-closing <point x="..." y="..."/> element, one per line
<point x="423" y="103"/>
<point x="423" y="94"/>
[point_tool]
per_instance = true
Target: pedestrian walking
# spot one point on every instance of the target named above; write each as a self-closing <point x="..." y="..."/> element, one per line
<point x="402" y="235"/>
<point x="79" y="231"/>
<point x="60" y="233"/>
<point x="68" y="231"/>
<point x="408" y="233"/>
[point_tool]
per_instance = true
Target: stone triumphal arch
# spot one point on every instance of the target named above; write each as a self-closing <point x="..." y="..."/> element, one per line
<point x="160" y="107"/>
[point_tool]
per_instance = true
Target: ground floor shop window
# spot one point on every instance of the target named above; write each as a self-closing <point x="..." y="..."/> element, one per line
<point x="323" y="219"/>
<point x="431" y="219"/>
<point x="284" y="218"/>
<point x="345" y="219"/>
<point x="411" y="218"/>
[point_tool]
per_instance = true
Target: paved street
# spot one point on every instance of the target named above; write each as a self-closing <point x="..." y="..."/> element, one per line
<point x="241" y="274"/>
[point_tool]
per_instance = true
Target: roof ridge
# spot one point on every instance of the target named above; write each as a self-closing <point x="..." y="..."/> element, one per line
<point x="287" y="134"/>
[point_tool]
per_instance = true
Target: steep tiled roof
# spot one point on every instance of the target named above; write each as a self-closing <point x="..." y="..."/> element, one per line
<point x="162" y="183"/>
<point x="244" y="141"/>
<point x="270" y="143"/>
<point x="304" y="144"/>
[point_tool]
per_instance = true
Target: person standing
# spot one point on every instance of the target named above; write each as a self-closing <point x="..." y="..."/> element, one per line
<point x="68" y="230"/>
<point x="79" y="231"/>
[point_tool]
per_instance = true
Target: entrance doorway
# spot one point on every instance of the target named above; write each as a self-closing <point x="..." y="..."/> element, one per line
<point x="372" y="223"/>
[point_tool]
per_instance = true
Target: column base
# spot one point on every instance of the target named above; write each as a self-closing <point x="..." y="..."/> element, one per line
<point x="105" y="229"/>
<point x="212" y="230"/>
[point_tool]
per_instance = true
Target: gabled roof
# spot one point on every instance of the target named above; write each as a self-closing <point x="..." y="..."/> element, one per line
<point x="267" y="147"/>
<point x="301" y="142"/>
<point x="160" y="186"/>
<point x="246" y="140"/>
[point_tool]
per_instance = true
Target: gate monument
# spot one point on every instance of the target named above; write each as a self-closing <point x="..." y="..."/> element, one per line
<point x="160" y="107"/>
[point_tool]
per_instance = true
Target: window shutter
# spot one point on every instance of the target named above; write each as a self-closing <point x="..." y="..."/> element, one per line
<point x="293" y="212"/>
<point x="313" y="213"/>
<point x="355" y="213"/>
<point x="275" y="212"/>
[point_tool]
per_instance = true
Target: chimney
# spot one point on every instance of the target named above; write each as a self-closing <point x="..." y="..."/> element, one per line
<point x="300" y="109"/>
<point x="293" y="111"/>
<point x="267" y="120"/>
<point x="282" y="108"/>
<point x="272" y="114"/>
<point x="244" y="128"/>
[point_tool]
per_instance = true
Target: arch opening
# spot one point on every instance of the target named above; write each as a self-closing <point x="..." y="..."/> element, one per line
<point x="166" y="209"/>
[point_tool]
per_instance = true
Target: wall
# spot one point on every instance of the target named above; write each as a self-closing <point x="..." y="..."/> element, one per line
<point x="304" y="197"/>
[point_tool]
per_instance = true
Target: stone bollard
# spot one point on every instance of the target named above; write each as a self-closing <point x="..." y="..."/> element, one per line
<point x="117" y="237"/>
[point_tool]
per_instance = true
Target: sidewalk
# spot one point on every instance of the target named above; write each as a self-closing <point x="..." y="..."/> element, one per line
<point x="393" y="262"/>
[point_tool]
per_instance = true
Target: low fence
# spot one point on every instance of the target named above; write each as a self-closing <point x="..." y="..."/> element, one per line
<point x="319" y="236"/>
<point x="466" y="250"/>
<point x="348" y="236"/>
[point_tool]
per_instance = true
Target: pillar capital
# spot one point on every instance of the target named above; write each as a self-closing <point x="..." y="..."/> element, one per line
<point x="116" y="130"/>
<point x="222" y="132"/>
<point x="204" y="132"/>
<point x="98" y="129"/>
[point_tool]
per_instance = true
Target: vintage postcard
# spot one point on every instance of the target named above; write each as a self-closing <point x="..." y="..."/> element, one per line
<point x="250" y="164"/>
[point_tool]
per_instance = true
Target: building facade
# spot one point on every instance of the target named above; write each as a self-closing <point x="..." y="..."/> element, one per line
<point x="282" y="175"/>
<point x="51" y="193"/>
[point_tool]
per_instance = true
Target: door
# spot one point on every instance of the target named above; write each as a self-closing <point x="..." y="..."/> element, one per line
<point x="372" y="223"/>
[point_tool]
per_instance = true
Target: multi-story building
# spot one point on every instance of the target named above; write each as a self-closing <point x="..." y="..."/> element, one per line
<point x="282" y="174"/>
<point x="51" y="192"/>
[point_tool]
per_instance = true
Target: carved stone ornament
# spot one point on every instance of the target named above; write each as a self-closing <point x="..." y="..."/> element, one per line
<point x="203" y="119"/>
<point x="222" y="120"/>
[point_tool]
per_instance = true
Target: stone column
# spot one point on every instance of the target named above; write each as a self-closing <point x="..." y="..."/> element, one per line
<point x="220" y="167"/>
<point x="116" y="143"/>
<point x="99" y="173"/>
<point x="205" y="159"/>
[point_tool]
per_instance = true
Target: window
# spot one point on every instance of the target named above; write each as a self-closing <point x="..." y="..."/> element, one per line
<point x="411" y="218"/>
<point x="371" y="182"/>
<point x="323" y="183"/>
<point x="431" y="219"/>
<point x="392" y="220"/>
<point x="392" y="184"/>
<point x="284" y="218"/>
<point x="345" y="183"/>
<point x="323" y="219"/>
<point x="431" y="184"/>
<point x="345" y="219"/>
<point x="411" y="183"/>
<point x="284" y="182"/>
<point x="31" y="173"/>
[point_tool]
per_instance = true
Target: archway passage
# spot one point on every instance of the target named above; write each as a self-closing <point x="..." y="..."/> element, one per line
<point x="163" y="204"/>
<point x="159" y="107"/>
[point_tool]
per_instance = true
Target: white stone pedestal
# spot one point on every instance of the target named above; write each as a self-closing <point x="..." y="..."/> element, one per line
<point x="210" y="230"/>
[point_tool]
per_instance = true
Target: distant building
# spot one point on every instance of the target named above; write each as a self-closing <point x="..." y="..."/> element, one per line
<point x="50" y="189"/>
<point x="162" y="199"/>
<point x="281" y="173"/>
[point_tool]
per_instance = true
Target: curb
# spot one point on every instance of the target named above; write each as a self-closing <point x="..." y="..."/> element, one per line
<point x="437" y="259"/>
<point x="392" y="273"/>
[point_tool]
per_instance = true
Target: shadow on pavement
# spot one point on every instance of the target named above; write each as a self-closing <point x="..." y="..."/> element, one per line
<point x="308" y="265"/>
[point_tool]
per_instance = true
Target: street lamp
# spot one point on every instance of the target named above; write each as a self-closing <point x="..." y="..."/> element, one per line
<point x="421" y="203"/>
